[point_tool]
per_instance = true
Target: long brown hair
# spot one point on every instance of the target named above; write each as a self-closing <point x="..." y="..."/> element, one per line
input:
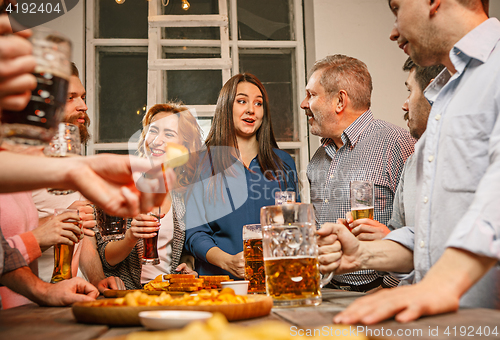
<point x="189" y="133"/>
<point x="222" y="132"/>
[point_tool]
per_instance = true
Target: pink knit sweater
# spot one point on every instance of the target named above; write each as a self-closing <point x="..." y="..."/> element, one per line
<point x="18" y="216"/>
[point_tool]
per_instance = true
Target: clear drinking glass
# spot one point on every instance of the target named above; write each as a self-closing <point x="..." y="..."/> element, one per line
<point x="362" y="199"/>
<point x="291" y="255"/>
<point x="111" y="228"/>
<point x="281" y="197"/>
<point x="254" y="260"/>
<point x="63" y="253"/>
<point x="37" y="123"/>
<point x="66" y="143"/>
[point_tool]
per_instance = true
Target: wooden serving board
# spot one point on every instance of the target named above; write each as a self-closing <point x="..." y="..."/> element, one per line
<point x="129" y="316"/>
<point x="114" y="293"/>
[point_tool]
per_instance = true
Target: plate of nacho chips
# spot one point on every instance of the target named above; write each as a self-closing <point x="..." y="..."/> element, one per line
<point x="125" y="311"/>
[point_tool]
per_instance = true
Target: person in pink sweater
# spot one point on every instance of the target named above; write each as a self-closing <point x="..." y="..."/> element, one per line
<point x="19" y="221"/>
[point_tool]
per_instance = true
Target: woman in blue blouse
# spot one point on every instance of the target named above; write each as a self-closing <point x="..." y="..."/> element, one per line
<point x="240" y="171"/>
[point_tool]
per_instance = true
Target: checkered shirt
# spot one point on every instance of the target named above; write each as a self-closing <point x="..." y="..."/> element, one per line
<point x="373" y="150"/>
<point x="10" y="258"/>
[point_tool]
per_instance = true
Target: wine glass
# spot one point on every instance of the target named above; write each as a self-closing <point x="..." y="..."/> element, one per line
<point x="66" y="143"/>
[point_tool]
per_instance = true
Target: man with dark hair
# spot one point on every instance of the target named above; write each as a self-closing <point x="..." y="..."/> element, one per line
<point x="455" y="248"/>
<point x="418" y="79"/>
<point x="355" y="146"/>
<point x="416" y="108"/>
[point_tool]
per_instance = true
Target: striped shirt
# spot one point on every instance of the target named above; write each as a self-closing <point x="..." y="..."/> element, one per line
<point x="372" y="150"/>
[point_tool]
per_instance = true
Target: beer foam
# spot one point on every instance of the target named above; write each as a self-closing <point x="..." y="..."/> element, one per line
<point x="289" y="257"/>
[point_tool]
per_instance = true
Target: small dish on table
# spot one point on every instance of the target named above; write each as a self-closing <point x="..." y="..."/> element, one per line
<point x="167" y="319"/>
<point x="239" y="287"/>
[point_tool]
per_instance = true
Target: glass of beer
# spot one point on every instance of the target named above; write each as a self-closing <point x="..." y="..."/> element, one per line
<point x="63" y="253"/>
<point x="150" y="254"/>
<point x="65" y="143"/>
<point x="254" y="260"/>
<point x="291" y="255"/>
<point x="37" y="123"/>
<point x="362" y="199"/>
<point x="281" y="197"/>
<point x="112" y="228"/>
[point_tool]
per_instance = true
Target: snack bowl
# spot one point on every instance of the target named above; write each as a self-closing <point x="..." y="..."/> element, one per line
<point x="166" y="319"/>
<point x="239" y="287"/>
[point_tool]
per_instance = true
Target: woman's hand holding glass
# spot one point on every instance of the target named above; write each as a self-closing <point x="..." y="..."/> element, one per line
<point x="87" y="215"/>
<point x="56" y="231"/>
<point x="143" y="226"/>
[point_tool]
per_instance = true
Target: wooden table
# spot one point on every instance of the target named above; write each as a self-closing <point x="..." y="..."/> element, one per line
<point x="31" y="322"/>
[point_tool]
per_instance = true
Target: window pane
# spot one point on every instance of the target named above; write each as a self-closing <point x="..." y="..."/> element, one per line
<point x="264" y="20"/>
<point x="208" y="33"/>
<point x="116" y="152"/>
<point x="197" y="7"/>
<point x="193" y="87"/>
<point x="191" y="52"/>
<point x="122" y="92"/>
<point x="295" y="155"/>
<point x="275" y="72"/>
<point x="128" y="20"/>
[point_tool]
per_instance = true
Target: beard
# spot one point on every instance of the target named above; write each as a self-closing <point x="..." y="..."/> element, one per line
<point x="315" y="127"/>
<point x="83" y="128"/>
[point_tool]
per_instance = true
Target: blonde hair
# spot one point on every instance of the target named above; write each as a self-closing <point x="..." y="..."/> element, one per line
<point x="189" y="134"/>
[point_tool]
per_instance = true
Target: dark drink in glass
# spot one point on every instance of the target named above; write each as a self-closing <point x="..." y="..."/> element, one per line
<point x="37" y="123"/>
<point x="150" y="255"/>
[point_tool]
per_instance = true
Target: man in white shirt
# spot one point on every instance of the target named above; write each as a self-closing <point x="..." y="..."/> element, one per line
<point x="454" y="247"/>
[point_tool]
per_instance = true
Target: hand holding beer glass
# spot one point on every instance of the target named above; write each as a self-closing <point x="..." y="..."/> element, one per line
<point x="291" y="255"/>
<point x="63" y="253"/>
<point x="37" y="123"/>
<point x="254" y="260"/>
<point x="362" y="199"/>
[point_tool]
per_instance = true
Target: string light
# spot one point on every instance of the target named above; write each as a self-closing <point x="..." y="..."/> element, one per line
<point x="119" y="2"/>
<point x="185" y="5"/>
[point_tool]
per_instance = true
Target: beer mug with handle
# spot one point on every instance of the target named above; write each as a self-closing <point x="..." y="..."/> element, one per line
<point x="291" y="255"/>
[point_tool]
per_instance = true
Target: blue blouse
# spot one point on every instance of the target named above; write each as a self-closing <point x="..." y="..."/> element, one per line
<point x="215" y="218"/>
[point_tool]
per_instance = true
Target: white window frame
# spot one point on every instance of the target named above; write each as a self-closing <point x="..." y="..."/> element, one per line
<point x="227" y="21"/>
